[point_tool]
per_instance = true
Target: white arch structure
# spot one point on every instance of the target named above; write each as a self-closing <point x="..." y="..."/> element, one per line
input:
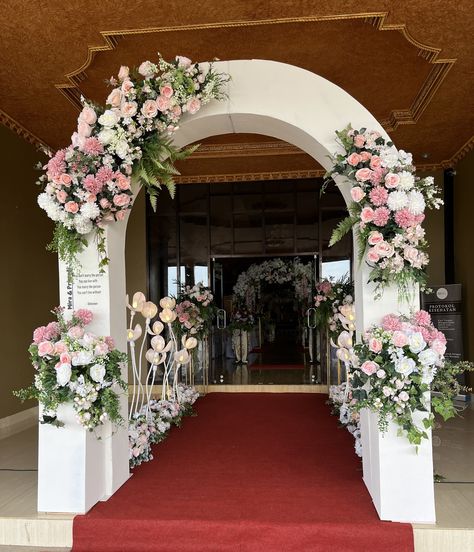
<point x="304" y="109"/>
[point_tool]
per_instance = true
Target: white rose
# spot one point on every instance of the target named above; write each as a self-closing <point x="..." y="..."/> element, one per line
<point x="63" y="374"/>
<point x="427" y="357"/>
<point x="380" y="373"/>
<point x="109" y="118"/>
<point x="416" y="343"/>
<point x="405" y="366"/>
<point x="106" y="136"/>
<point x="97" y="372"/>
<point x="121" y="149"/>
<point x="82" y="358"/>
<point x="404" y="396"/>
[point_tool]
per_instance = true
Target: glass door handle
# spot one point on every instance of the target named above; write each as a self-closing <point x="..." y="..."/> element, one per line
<point x="311" y="311"/>
<point x="221" y="319"/>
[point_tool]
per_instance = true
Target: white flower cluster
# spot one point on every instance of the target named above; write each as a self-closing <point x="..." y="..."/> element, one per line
<point x="347" y="415"/>
<point x="152" y="424"/>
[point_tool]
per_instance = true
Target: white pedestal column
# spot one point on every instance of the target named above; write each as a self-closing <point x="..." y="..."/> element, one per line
<point x="75" y="468"/>
<point x="399" y="480"/>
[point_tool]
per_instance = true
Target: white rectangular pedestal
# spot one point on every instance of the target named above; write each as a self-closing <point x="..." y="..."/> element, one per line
<point x="71" y="470"/>
<point x="399" y="479"/>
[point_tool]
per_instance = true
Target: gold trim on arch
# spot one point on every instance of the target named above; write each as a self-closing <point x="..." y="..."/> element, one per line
<point x="248" y="177"/>
<point x="21" y="131"/>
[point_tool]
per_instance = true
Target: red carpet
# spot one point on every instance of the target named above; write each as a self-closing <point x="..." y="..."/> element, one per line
<point x="253" y="472"/>
<point x="277" y="367"/>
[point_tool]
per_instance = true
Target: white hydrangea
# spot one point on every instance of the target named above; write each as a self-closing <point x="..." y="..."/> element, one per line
<point x="90" y="210"/>
<point x="44" y="200"/>
<point x="82" y="224"/>
<point x="416" y="202"/>
<point x="397" y="200"/>
<point x="405" y="158"/>
<point x="54" y="211"/>
<point x="407" y="180"/>
<point x="389" y="157"/>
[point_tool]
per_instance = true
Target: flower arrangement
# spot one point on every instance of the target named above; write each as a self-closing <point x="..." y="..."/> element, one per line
<point x="333" y="305"/>
<point x="388" y="207"/>
<point x="151" y="425"/>
<point x="393" y="368"/>
<point x="195" y="311"/>
<point x="74" y="365"/>
<point x="89" y="182"/>
<point x="248" y="287"/>
<point x="242" y="320"/>
<point x="342" y="406"/>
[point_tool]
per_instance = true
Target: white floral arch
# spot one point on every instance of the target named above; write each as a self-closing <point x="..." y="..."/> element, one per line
<point x="304" y="109"/>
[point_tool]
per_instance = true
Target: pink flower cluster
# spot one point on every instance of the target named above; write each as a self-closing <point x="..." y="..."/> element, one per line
<point x="189" y="316"/>
<point x="389" y="201"/>
<point x="323" y="291"/>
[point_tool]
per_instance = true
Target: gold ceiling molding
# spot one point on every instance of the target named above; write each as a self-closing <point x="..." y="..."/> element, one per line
<point x="397" y="117"/>
<point x="21" y="131"/>
<point x="247" y="149"/>
<point x="460" y="154"/>
<point x="248" y="177"/>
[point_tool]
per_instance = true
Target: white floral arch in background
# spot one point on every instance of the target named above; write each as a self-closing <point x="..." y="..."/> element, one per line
<point x="304" y="109"/>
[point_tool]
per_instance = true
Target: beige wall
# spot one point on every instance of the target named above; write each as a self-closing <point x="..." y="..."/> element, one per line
<point x="464" y="247"/>
<point x="135" y="248"/>
<point x="28" y="275"/>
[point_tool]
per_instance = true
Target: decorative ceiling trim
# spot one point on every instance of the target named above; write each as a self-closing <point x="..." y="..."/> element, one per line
<point x="397" y="117"/>
<point x="460" y="154"/>
<point x="21" y="131"/>
<point x="248" y="177"/>
<point x="247" y="149"/>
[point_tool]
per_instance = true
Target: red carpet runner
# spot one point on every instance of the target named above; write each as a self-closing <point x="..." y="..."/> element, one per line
<point x="253" y="472"/>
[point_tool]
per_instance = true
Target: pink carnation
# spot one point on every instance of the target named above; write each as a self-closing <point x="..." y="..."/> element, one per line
<point x="418" y="219"/>
<point x="404" y="218"/>
<point x="423" y="318"/>
<point x="391" y="323"/>
<point x="104" y="174"/>
<point x="378" y="196"/>
<point x="92" y="146"/>
<point x="39" y="334"/>
<point x="381" y="216"/>
<point x="84" y="315"/>
<point x="56" y="165"/>
<point x="92" y="185"/>
<point x="52" y="331"/>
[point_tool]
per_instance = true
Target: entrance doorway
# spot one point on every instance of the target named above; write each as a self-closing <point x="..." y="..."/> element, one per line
<point x="212" y="233"/>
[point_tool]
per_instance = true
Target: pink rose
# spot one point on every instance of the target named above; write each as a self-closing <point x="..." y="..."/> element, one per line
<point x="359" y="140"/>
<point x="183" y="61"/>
<point x="193" y="105"/>
<point x="88" y="115"/>
<point x="45" y="348"/>
<point x="75" y="332"/>
<point x="410" y="253"/>
<point x="104" y="203"/>
<point x="65" y="180"/>
<point x="123" y="73"/>
<point x="392" y="180"/>
<point x="365" y="156"/>
<point x="375" y="162"/>
<point x="166" y="90"/>
<point x="369" y="367"/>
<point x="121" y="200"/>
<point x="438" y="347"/>
<point x="83" y="129"/>
<point x="147" y="69"/>
<point x="65" y="358"/>
<point x="176" y="111"/>
<point x="91" y="198"/>
<point x="123" y="182"/>
<point x="114" y="98"/>
<point x="357" y="193"/>
<point x="354" y="159"/>
<point x="375" y="345"/>
<point x="71" y="207"/>
<point x="363" y="174"/>
<point x="372" y="256"/>
<point x="163" y="103"/>
<point x="120" y="215"/>
<point x="399" y="339"/>
<point x="61" y="196"/>
<point x="367" y="214"/>
<point x="129" y="109"/>
<point x="127" y="86"/>
<point x="101" y="348"/>
<point x="384" y="249"/>
<point x="375" y="237"/>
<point x="150" y="109"/>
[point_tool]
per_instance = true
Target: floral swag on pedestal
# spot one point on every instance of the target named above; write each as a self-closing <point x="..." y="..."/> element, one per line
<point x="388" y="208"/>
<point x="89" y="183"/>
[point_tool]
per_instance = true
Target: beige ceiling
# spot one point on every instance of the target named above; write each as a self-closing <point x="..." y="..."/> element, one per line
<point x="409" y="63"/>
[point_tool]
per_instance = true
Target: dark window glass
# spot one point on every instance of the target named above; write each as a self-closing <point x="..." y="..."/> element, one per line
<point x="221" y="225"/>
